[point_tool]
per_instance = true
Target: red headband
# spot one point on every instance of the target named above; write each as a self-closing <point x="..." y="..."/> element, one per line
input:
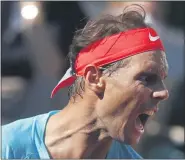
<point x="111" y="49"/>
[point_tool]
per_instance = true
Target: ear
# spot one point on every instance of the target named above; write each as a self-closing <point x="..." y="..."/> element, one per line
<point x="93" y="79"/>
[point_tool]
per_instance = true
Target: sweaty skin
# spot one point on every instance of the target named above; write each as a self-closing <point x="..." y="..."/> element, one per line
<point x="108" y="109"/>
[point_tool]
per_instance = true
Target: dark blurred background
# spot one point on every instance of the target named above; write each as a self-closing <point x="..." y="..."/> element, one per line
<point x="35" y="41"/>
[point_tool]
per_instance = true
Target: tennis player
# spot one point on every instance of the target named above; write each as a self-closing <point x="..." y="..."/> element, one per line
<point x="116" y="81"/>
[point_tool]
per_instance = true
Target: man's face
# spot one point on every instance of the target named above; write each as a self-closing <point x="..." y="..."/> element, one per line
<point x="132" y="94"/>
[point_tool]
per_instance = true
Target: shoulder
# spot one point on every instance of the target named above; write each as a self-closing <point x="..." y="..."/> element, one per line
<point x="17" y="138"/>
<point x="14" y="135"/>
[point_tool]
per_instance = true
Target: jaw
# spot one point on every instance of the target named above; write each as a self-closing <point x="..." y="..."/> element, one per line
<point x="134" y="128"/>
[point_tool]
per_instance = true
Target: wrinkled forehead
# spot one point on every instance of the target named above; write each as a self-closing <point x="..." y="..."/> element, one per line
<point x="154" y="61"/>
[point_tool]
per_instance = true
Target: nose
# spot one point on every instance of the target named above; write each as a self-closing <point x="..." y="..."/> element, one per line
<point x="162" y="95"/>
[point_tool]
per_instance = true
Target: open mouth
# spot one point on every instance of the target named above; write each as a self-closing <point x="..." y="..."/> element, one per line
<point x="141" y="121"/>
<point x="143" y="118"/>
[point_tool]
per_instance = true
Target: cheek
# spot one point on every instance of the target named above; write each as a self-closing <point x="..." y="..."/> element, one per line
<point x="143" y="94"/>
<point x="122" y="100"/>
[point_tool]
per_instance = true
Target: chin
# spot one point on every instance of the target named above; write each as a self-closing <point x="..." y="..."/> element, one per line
<point x="130" y="138"/>
<point x="127" y="140"/>
<point x="132" y="141"/>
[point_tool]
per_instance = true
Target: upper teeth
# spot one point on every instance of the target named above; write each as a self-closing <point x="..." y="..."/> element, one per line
<point x="150" y="113"/>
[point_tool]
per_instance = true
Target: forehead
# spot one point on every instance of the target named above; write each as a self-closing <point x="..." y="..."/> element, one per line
<point x="154" y="61"/>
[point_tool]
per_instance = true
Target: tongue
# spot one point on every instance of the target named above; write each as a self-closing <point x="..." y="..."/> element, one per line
<point x="138" y="123"/>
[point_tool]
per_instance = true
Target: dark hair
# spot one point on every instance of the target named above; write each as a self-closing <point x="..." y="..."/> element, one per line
<point x="105" y="25"/>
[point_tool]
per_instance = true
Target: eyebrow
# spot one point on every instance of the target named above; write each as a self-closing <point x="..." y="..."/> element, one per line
<point x="145" y="73"/>
<point x="160" y="69"/>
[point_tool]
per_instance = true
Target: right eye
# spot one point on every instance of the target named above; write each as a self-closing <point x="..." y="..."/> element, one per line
<point x="148" y="79"/>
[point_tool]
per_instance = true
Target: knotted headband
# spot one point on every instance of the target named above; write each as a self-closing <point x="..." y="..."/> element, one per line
<point x="111" y="49"/>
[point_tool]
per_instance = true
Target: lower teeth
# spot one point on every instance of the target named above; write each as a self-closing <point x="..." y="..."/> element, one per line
<point x="139" y="124"/>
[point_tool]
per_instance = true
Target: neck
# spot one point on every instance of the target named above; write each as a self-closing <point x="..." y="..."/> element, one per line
<point x="77" y="132"/>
